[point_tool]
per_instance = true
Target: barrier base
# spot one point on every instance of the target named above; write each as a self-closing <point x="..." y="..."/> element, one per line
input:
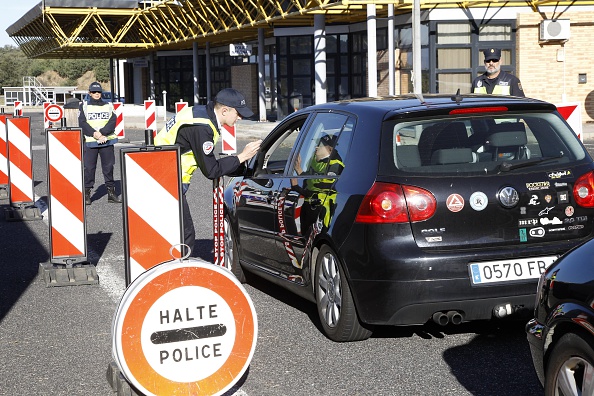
<point x="68" y="275"/>
<point x="22" y="214"/>
<point x="123" y="140"/>
<point x="118" y="383"/>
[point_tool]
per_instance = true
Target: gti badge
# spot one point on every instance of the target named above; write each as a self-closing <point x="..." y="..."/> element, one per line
<point x="508" y="196"/>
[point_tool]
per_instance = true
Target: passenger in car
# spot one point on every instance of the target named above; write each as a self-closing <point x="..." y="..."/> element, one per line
<point x="325" y="162"/>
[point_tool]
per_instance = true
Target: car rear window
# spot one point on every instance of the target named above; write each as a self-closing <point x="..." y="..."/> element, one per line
<point x="477" y="144"/>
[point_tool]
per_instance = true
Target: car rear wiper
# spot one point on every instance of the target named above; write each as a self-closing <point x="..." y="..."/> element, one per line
<point x="508" y="166"/>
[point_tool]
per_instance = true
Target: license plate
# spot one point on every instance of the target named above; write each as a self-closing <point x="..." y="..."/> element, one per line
<point x="490" y="272"/>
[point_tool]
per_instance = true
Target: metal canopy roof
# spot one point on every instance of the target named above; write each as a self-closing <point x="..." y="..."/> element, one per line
<point x="130" y="28"/>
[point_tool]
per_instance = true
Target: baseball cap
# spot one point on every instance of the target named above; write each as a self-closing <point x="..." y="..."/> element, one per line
<point x="328" y="140"/>
<point x="492" y="54"/>
<point x="95" y="87"/>
<point x="233" y="98"/>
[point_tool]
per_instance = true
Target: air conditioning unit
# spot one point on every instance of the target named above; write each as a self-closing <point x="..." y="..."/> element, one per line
<point x="554" y="29"/>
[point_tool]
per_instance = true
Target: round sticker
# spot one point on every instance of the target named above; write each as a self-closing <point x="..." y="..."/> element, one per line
<point x="569" y="211"/>
<point x="478" y="201"/>
<point x="455" y="202"/>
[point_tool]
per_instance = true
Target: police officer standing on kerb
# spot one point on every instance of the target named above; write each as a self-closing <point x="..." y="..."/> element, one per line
<point x="196" y="130"/>
<point x="495" y="81"/>
<point x="98" y="120"/>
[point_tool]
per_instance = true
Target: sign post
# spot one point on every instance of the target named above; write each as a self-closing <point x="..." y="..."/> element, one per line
<point x="184" y="327"/>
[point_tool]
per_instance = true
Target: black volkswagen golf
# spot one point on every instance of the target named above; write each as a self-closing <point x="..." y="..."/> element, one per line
<point x="404" y="210"/>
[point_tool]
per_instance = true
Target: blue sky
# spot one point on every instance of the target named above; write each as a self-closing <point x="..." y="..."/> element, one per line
<point x="10" y="12"/>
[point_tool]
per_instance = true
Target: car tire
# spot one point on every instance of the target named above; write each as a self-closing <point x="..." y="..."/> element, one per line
<point x="231" y="253"/>
<point x="570" y="362"/>
<point x="334" y="300"/>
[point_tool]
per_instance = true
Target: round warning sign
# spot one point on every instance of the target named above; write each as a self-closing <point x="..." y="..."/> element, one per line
<point x="54" y="113"/>
<point x="184" y="327"/>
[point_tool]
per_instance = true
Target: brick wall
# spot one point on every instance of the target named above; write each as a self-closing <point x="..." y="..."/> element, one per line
<point x="542" y="76"/>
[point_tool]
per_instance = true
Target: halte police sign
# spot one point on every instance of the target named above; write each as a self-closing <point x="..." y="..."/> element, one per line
<point x="184" y="327"/>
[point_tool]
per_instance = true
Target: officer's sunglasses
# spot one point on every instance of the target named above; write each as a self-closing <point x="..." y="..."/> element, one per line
<point x="492" y="61"/>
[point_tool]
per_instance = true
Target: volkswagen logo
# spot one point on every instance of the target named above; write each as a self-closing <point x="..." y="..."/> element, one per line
<point x="508" y="196"/>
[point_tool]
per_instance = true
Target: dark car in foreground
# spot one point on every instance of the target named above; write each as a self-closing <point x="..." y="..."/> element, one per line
<point x="561" y="335"/>
<point x="404" y="210"/>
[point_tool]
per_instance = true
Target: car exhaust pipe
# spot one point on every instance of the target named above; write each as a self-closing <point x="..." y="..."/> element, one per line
<point x="440" y="318"/>
<point x="455" y="317"/>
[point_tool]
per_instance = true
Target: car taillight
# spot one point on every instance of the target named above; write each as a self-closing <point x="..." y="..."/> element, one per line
<point x="421" y="203"/>
<point x="583" y="190"/>
<point x="386" y="203"/>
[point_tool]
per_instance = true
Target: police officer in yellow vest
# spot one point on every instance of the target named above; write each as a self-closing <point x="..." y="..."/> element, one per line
<point x="495" y="81"/>
<point x="97" y="120"/>
<point x="196" y="130"/>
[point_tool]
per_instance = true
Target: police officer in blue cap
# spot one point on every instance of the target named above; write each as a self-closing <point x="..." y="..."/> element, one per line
<point x="494" y="80"/>
<point x="196" y="130"/>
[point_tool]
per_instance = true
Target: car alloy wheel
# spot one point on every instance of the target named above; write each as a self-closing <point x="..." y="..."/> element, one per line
<point x="334" y="301"/>
<point x="570" y="371"/>
<point x="231" y="255"/>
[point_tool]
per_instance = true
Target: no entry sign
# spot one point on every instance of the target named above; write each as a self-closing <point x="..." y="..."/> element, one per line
<point x="184" y="327"/>
<point x="54" y="113"/>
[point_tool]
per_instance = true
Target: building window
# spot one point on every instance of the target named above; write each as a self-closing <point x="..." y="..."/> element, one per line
<point x="456" y="52"/>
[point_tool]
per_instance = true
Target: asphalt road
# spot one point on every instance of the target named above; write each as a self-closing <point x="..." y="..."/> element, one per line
<point x="57" y="341"/>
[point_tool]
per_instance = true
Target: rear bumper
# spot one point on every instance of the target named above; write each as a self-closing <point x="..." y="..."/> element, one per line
<point x="414" y="303"/>
<point x="394" y="282"/>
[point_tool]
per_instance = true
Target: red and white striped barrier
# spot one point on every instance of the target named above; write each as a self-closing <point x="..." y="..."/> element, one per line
<point x="179" y="106"/>
<point x="218" y="231"/>
<point x="20" y="166"/>
<point x="572" y="113"/>
<point x="229" y="139"/>
<point x="3" y="157"/>
<point x="46" y="121"/>
<point x="153" y="220"/>
<point x="68" y="238"/>
<point x="18" y="108"/>
<point x="150" y="116"/>
<point x="118" y="109"/>
<point x="20" y="171"/>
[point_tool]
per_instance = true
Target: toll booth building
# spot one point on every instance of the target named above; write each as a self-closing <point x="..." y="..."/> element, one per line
<point x="285" y="55"/>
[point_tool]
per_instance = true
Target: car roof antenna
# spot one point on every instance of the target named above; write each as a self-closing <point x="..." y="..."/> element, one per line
<point x="457" y="98"/>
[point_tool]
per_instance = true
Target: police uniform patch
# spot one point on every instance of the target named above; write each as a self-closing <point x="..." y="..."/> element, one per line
<point x="520" y="86"/>
<point x="207" y="147"/>
<point x="479" y="83"/>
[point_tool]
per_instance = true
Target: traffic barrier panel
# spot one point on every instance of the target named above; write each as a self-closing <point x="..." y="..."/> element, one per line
<point x="46" y="122"/>
<point x="179" y="106"/>
<point x="120" y="132"/>
<point x="218" y="231"/>
<point x="150" y="116"/>
<point x="68" y="263"/>
<point x="153" y="222"/>
<point x="229" y="139"/>
<point x="3" y="157"/>
<point x="572" y="113"/>
<point x="18" y="108"/>
<point x="20" y="171"/>
<point x="184" y="327"/>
